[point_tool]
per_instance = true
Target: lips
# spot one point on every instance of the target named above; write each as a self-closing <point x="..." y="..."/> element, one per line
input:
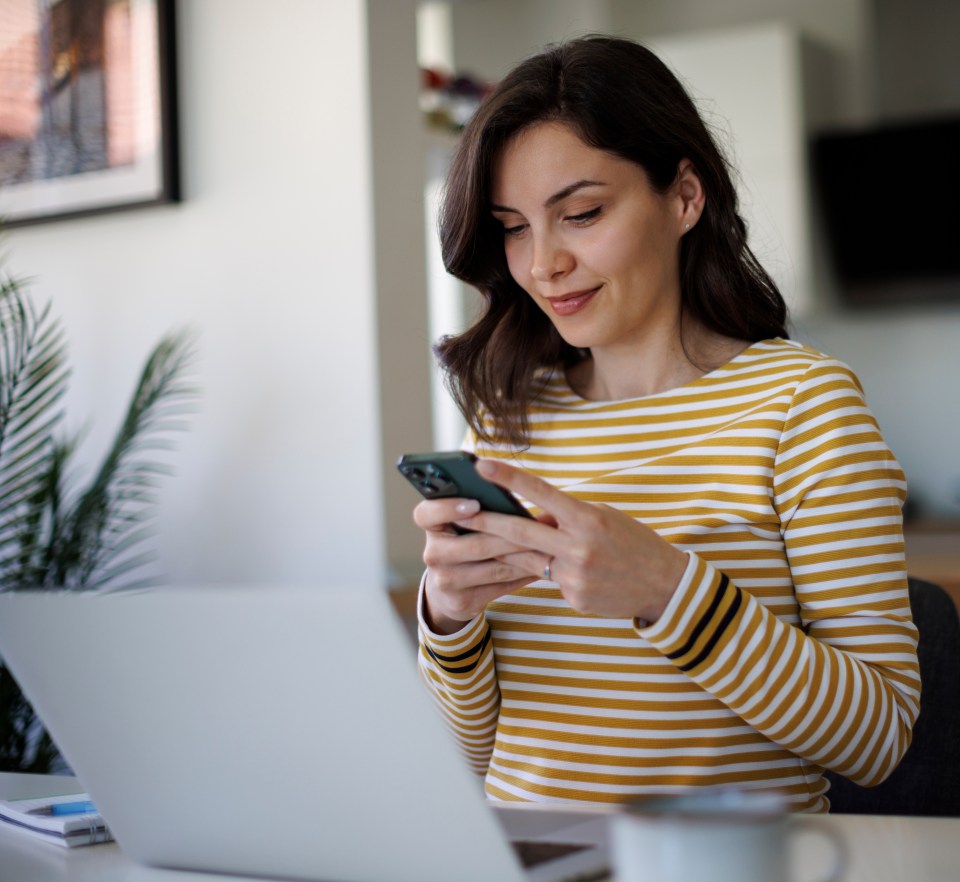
<point x="568" y="304"/>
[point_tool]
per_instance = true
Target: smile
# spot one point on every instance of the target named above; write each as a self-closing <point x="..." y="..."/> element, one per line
<point x="568" y="304"/>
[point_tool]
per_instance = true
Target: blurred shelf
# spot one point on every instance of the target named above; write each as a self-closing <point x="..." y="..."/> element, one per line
<point x="404" y="599"/>
<point x="933" y="553"/>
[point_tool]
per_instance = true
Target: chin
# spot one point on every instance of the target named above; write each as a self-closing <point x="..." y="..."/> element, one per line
<point x="582" y="338"/>
<point x="575" y="334"/>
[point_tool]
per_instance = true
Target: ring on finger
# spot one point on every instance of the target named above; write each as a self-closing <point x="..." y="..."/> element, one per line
<point x="546" y="570"/>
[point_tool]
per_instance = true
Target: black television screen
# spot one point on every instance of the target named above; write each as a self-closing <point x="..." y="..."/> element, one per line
<point x="890" y="200"/>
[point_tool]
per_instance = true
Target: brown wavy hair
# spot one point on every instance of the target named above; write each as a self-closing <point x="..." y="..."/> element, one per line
<point x="618" y="97"/>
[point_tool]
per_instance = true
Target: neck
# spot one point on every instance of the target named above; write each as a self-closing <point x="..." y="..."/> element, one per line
<point x="657" y="365"/>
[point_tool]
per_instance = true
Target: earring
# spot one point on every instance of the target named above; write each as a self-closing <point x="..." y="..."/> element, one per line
<point x="686" y="226"/>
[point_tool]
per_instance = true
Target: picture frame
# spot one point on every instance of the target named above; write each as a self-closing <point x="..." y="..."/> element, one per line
<point x="88" y="109"/>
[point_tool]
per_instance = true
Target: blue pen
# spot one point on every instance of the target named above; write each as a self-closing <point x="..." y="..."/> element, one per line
<point x="65" y="808"/>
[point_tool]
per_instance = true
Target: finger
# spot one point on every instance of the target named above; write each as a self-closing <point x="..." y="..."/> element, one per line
<point x="488" y="574"/>
<point x="463" y="606"/>
<point x="535" y="563"/>
<point x="545" y="496"/>
<point x="523" y="534"/>
<point x="438" y="514"/>
<point x="519" y="534"/>
<point x="449" y="549"/>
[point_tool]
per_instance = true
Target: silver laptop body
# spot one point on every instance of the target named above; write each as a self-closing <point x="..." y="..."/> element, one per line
<point x="275" y="731"/>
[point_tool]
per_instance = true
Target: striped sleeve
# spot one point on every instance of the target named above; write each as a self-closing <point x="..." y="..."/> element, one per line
<point x="459" y="672"/>
<point x="842" y="689"/>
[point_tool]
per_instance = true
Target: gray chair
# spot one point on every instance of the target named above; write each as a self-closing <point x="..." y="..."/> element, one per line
<point x="927" y="781"/>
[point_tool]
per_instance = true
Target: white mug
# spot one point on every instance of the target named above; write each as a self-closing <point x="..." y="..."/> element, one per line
<point x="716" y="836"/>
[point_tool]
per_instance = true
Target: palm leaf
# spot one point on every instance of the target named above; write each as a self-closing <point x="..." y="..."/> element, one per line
<point x="107" y="525"/>
<point x="33" y="378"/>
<point x="52" y="536"/>
<point x="40" y="563"/>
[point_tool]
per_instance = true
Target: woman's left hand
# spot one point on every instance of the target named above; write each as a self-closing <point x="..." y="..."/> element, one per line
<point x="605" y="562"/>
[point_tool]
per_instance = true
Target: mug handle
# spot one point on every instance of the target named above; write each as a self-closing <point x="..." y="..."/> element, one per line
<point x="806" y="825"/>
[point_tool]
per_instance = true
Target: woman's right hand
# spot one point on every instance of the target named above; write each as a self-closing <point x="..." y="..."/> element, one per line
<point x="463" y="573"/>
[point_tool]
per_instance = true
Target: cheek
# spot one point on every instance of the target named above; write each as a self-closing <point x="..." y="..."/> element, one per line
<point x="612" y="256"/>
<point x="517" y="261"/>
<point x="643" y="257"/>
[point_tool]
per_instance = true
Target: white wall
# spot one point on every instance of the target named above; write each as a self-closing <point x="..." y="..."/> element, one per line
<point x="918" y="71"/>
<point x="491" y="36"/>
<point x="844" y="26"/>
<point x="270" y="258"/>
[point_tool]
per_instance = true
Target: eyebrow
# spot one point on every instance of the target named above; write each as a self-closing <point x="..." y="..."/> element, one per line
<point x="559" y="196"/>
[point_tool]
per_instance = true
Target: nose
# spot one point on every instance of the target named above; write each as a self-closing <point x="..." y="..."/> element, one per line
<point x="551" y="260"/>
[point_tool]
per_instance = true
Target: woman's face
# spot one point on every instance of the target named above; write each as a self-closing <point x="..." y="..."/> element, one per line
<point x="588" y="239"/>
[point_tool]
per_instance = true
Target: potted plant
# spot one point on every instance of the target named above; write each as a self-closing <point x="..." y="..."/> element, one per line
<point x="55" y="536"/>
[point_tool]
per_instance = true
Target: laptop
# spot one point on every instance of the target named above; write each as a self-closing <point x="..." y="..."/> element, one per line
<point x="274" y="731"/>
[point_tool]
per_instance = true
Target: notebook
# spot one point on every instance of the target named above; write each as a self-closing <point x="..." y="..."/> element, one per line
<point x="275" y="731"/>
<point x="69" y="820"/>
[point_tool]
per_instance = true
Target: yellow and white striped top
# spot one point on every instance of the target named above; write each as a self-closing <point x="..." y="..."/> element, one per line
<point x="788" y="646"/>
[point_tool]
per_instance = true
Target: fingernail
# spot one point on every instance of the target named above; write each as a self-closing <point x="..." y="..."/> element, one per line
<point x="468" y="507"/>
<point x="486" y="468"/>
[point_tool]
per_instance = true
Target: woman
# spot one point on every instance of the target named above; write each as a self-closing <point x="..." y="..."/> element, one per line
<point x="713" y="592"/>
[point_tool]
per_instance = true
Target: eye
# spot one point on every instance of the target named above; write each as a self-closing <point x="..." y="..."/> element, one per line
<point x="585" y="217"/>
<point x="515" y="231"/>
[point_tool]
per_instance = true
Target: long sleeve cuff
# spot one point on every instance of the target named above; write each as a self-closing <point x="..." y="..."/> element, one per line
<point x="704" y="606"/>
<point x="458" y="653"/>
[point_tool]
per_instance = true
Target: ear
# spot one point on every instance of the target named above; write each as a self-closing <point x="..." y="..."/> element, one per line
<point x="690" y="195"/>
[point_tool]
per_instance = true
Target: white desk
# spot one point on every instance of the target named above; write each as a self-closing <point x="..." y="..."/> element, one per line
<point x="882" y="849"/>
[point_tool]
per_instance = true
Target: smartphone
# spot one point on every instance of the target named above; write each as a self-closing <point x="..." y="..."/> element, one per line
<point x="452" y="473"/>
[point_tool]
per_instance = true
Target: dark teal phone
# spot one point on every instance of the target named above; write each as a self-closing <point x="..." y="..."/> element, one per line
<point x="452" y="474"/>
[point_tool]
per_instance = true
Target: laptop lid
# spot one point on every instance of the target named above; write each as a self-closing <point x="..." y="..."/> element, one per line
<point x="278" y="731"/>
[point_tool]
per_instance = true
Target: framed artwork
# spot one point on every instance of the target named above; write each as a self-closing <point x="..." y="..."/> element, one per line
<point x="87" y="107"/>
